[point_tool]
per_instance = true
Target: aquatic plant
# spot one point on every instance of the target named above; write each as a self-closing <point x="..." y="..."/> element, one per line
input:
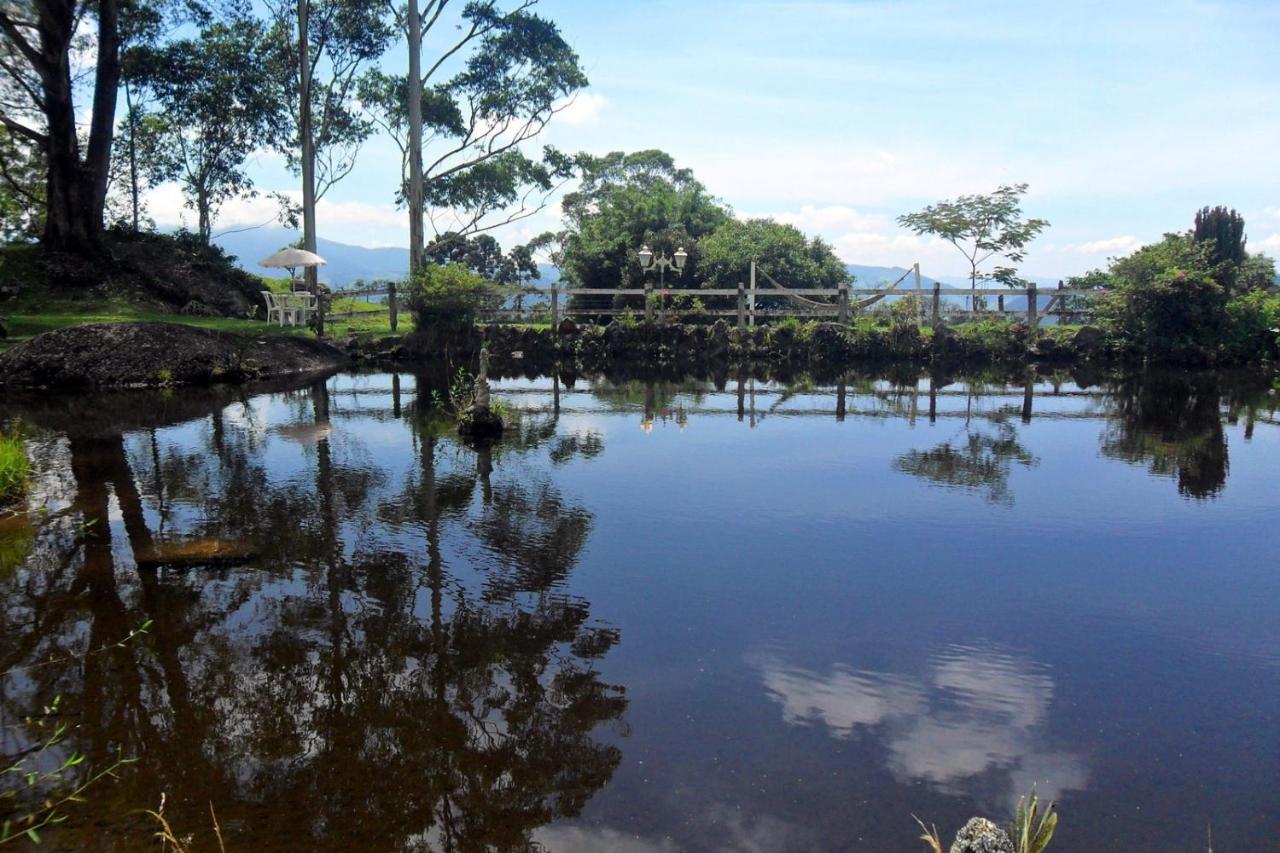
<point x="39" y="785"/>
<point x="15" y="470"/>
<point x="1032" y="830"/>
<point x="929" y="835"/>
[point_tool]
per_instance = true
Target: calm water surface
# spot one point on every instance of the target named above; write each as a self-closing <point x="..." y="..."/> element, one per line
<point x="659" y="616"/>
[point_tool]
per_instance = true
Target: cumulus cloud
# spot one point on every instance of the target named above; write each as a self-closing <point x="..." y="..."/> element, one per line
<point x="1112" y="245"/>
<point x="584" y="108"/>
<point x="975" y="710"/>
<point x="1270" y="245"/>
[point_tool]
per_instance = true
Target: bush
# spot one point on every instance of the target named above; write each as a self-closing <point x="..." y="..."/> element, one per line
<point x="449" y="295"/>
<point x="1165" y="300"/>
<point x="1178" y="313"/>
<point x="1253" y="326"/>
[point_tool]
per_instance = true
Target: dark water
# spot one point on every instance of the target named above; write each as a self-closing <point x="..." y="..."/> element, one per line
<point x="659" y="616"/>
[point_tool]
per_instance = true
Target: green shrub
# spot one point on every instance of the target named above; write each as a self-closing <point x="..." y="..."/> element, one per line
<point x="14" y="468"/>
<point x="449" y="295"/>
<point x="989" y="333"/>
<point x="1176" y="313"/>
<point x="1253" y="326"/>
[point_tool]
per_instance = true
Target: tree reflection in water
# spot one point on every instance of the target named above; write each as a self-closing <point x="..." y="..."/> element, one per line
<point x="980" y="462"/>
<point x="1173" y="424"/>
<point x="391" y="666"/>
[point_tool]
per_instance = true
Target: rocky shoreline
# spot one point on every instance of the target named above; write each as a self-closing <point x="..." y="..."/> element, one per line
<point x="151" y="355"/>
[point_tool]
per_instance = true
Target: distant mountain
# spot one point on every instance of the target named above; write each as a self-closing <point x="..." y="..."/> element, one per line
<point x="346" y="265"/>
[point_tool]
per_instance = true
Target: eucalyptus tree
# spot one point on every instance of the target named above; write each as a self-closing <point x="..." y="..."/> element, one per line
<point x="218" y="106"/>
<point x="321" y="49"/>
<point x="982" y="228"/>
<point x="481" y="84"/>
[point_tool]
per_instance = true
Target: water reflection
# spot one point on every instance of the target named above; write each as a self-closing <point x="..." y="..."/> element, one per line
<point x="972" y="724"/>
<point x="395" y="661"/>
<point x="979" y="462"/>
<point x="368" y="635"/>
<point x="1172" y="423"/>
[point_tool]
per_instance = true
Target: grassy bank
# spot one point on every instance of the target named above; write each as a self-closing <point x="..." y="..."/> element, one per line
<point x="28" y="317"/>
<point x="14" y="469"/>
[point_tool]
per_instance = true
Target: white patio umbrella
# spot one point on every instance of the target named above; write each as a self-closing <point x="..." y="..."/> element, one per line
<point x="290" y="259"/>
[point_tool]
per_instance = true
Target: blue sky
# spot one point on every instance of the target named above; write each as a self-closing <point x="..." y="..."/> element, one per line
<point x="1124" y="117"/>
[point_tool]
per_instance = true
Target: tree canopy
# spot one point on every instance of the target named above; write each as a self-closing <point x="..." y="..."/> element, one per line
<point x="781" y="250"/>
<point x="983" y="228"/>
<point x="627" y="201"/>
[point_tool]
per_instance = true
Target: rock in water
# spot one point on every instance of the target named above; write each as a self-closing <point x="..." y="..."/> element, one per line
<point x="980" y="835"/>
<point x="480" y="423"/>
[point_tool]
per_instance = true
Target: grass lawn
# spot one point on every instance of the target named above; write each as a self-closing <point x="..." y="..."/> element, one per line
<point x="27" y="318"/>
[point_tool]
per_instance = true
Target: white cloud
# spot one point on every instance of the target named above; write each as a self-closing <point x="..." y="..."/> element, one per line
<point x="584" y="108"/>
<point x="355" y="222"/>
<point x="579" y="839"/>
<point x="977" y="709"/>
<point x="1114" y="245"/>
<point x="1270" y="244"/>
<point x="1271" y="212"/>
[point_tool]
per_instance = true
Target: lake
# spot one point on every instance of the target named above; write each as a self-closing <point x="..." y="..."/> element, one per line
<point x="718" y="614"/>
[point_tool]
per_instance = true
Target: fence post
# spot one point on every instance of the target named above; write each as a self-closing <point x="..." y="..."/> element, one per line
<point x="391" y="304"/>
<point x="742" y="305"/>
<point x="919" y="295"/>
<point x="648" y="303"/>
<point x="751" y="302"/>
<point x="844" y="305"/>
<point x="937" y="303"/>
<point x="555" y="307"/>
<point x="321" y="298"/>
<point x="1032" y="319"/>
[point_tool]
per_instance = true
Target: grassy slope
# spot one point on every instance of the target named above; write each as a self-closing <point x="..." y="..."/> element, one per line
<point x="31" y="315"/>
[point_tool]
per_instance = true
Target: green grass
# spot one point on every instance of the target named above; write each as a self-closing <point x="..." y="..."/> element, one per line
<point x="15" y="470"/>
<point x="29" y="317"/>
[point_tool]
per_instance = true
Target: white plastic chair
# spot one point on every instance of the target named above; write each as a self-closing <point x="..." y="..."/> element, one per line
<point x="274" y="307"/>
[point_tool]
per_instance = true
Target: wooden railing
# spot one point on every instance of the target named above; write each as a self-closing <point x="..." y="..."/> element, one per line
<point x="746" y="306"/>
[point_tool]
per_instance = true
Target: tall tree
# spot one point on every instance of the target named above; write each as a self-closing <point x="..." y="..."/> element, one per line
<point x="218" y="107"/>
<point x="626" y="201"/>
<point x="781" y="250"/>
<point x="982" y="227"/>
<point x="321" y="49"/>
<point x="1224" y="229"/>
<point x="463" y="137"/>
<point x="40" y="41"/>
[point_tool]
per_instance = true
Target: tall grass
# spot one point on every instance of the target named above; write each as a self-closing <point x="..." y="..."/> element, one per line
<point x="14" y="468"/>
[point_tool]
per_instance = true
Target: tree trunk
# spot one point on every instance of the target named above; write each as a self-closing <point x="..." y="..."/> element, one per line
<point x="308" y="144"/>
<point x="417" y="212"/>
<point x="76" y="190"/>
<point x="133" y="155"/>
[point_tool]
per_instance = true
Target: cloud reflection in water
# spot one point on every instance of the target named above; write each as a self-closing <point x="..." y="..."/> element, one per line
<point x="977" y="709"/>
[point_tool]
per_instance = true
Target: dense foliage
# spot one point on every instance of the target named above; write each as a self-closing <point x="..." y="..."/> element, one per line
<point x="627" y="201"/>
<point x="782" y="250"/>
<point x="1194" y="296"/>
<point x="446" y="294"/>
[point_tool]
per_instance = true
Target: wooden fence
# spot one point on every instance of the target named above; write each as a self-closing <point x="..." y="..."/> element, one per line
<point x="744" y="305"/>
